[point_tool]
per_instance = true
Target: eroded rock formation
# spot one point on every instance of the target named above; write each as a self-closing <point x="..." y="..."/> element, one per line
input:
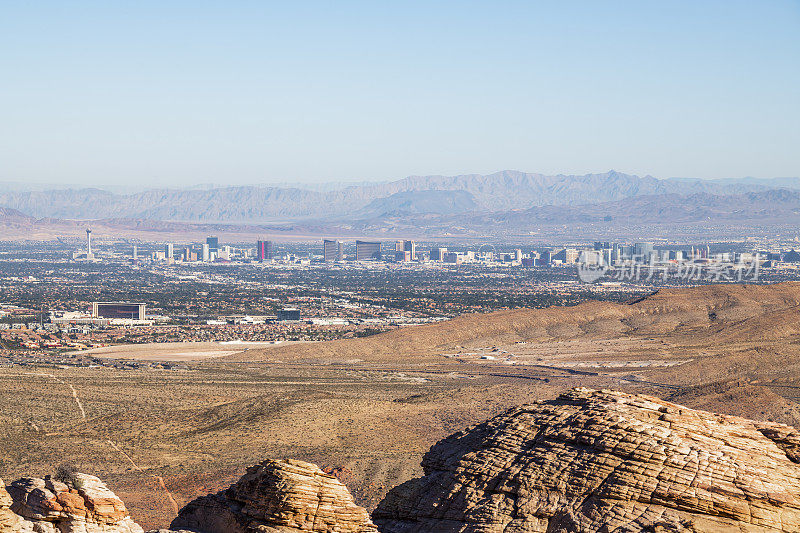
<point x="602" y="461"/>
<point x="86" y="505"/>
<point x="278" y="497"/>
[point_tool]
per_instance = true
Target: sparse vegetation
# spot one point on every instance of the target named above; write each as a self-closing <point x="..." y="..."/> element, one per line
<point x="67" y="473"/>
<point x="374" y="405"/>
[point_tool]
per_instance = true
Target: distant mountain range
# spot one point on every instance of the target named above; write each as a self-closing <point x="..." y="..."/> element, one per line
<point x="767" y="206"/>
<point x="499" y="192"/>
<point x="504" y="202"/>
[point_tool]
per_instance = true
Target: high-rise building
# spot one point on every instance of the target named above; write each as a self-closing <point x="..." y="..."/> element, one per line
<point x="331" y="250"/>
<point x="567" y="255"/>
<point x="264" y="251"/>
<point x="410" y="247"/>
<point x="169" y="252"/>
<point x="453" y="258"/>
<point x="642" y="251"/>
<point x="627" y="252"/>
<point x="206" y="253"/>
<point x="368" y="251"/>
<point x="545" y="259"/>
<point x="135" y="253"/>
<point x="213" y="243"/>
<point x="616" y="254"/>
<point x="591" y="257"/>
<point x="437" y="254"/>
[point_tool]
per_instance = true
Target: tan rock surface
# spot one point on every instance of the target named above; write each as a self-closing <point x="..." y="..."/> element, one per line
<point x="278" y="497"/>
<point x="9" y="520"/>
<point x="602" y="461"/>
<point x="86" y="505"/>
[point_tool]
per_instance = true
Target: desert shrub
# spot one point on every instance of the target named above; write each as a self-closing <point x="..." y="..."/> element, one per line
<point x="68" y="474"/>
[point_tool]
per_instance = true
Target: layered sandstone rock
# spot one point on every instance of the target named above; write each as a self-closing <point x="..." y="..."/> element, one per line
<point x="595" y="461"/>
<point x="278" y="497"/>
<point x="86" y="505"/>
<point x="9" y="520"/>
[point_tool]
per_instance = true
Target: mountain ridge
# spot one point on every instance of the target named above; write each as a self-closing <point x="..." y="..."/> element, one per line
<point x="497" y="192"/>
<point x="435" y="214"/>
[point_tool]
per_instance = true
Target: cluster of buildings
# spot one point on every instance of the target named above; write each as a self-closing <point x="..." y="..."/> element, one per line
<point x="606" y="253"/>
<point x="206" y="252"/>
<point x="211" y="251"/>
<point x="128" y="314"/>
<point x="332" y="251"/>
<point x="105" y="314"/>
<point x="404" y="251"/>
<point x="645" y="253"/>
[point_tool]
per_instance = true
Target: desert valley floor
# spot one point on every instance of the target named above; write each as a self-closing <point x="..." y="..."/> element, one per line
<point x="367" y="409"/>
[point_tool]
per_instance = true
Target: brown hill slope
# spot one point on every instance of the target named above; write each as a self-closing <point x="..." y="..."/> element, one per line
<point x="729" y="348"/>
<point x="729" y="313"/>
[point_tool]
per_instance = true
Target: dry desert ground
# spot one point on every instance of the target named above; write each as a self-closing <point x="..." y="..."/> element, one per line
<point x="367" y="409"/>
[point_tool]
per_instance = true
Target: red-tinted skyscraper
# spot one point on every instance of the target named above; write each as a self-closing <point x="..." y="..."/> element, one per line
<point x="264" y="251"/>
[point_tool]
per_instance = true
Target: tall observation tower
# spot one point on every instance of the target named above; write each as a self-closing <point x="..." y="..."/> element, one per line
<point x="89" y="244"/>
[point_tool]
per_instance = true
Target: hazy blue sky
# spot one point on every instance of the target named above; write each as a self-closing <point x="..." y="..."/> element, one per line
<point x="181" y="92"/>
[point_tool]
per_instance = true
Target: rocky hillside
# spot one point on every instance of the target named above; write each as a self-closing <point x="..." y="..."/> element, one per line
<point x="604" y="461"/>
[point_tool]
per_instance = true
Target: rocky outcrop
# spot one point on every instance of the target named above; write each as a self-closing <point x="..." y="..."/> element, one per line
<point x="278" y="497"/>
<point x="587" y="462"/>
<point x="85" y="505"/>
<point x="9" y="520"/>
<point x="602" y="461"/>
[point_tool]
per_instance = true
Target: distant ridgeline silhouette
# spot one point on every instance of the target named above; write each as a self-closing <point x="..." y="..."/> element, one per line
<point x="503" y="192"/>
